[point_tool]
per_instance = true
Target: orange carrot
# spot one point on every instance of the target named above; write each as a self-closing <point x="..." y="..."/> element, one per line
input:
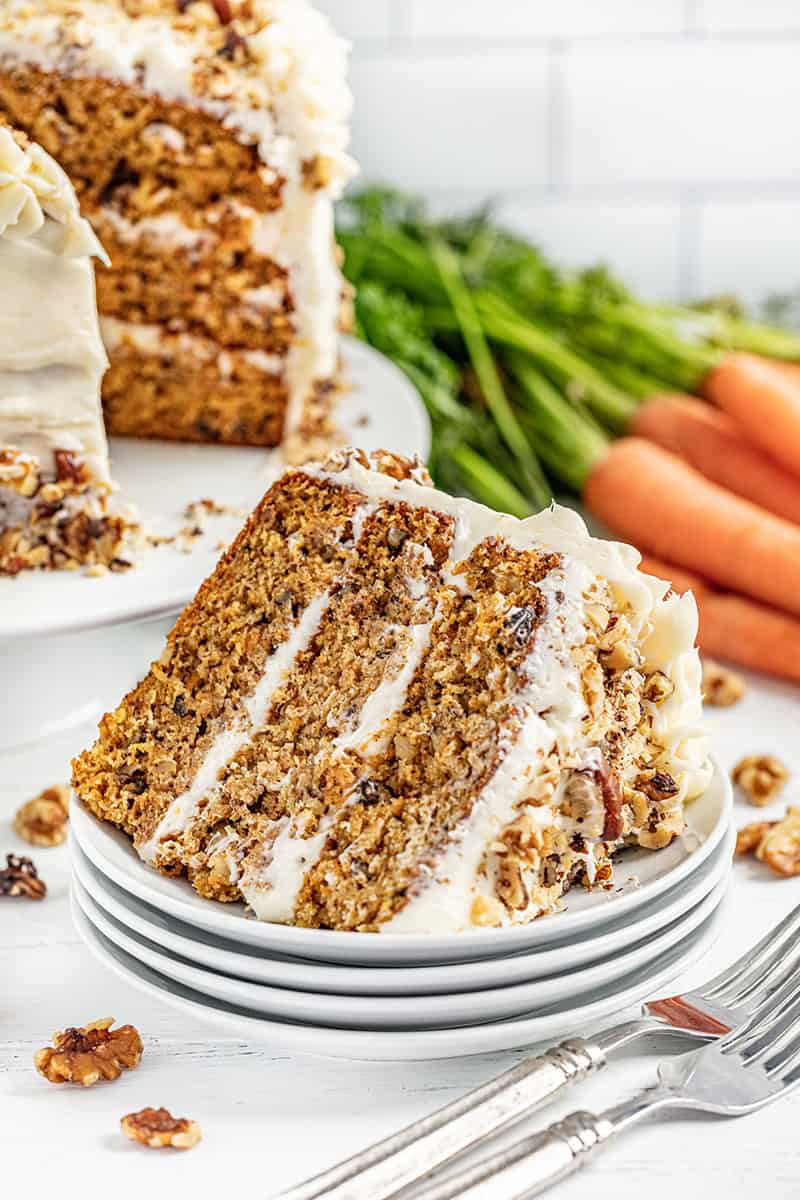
<point x="663" y="506"/>
<point x="713" y="443"/>
<point x="764" y="399"/>
<point x="736" y="628"/>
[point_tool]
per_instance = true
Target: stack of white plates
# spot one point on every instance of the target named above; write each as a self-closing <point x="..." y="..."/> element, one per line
<point x="408" y="996"/>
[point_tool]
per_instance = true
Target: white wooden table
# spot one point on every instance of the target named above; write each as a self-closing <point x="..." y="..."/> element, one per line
<point x="269" y="1120"/>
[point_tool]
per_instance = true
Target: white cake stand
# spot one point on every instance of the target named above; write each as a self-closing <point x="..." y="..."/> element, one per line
<point x="70" y="644"/>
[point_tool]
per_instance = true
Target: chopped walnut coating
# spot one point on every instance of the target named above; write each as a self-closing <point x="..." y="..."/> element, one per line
<point x="93" y="1052"/>
<point x="19" y="877"/>
<point x="721" y="687"/>
<point x="761" y="777"/>
<point x="42" y="821"/>
<point x="780" y="846"/>
<point x="157" y="1128"/>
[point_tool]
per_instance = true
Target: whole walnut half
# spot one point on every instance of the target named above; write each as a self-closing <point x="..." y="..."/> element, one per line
<point x="93" y="1052"/>
<point x="42" y="821"/>
<point x="761" y="778"/>
<point x="157" y="1128"/>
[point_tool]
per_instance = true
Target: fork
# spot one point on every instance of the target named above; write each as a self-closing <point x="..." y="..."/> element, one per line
<point x="724" y="1003"/>
<point x="737" y="1074"/>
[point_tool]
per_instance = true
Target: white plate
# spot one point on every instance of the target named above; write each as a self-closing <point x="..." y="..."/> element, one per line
<point x="221" y="956"/>
<point x="406" y="1012"/>
<point x="290" y="1038"/>
<point x="654" y="872"/>
<point x="380" y="409"/>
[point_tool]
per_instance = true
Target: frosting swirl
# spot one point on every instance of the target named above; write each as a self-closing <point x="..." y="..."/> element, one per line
<point x="38" y="200"/>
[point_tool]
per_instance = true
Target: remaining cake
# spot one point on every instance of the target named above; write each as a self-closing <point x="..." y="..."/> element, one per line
<point x="392" y="709"/>
<point x="206" y="140"/>
<point x="54" y="473"/>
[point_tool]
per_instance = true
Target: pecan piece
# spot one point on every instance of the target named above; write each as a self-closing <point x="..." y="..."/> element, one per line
<point x="42" y="821"/>
<point x="611" y="791"/>
<point x="721" y="687"/>
<point x="761" y="777"/>
<point x="19" y="877"/>
<point x="157" y="1128"/>
<point x="95" y="1051"/>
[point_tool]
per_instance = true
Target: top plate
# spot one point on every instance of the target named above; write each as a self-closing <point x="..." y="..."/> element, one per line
<point x="644" y="874"/>
<point x="380" y="410"/>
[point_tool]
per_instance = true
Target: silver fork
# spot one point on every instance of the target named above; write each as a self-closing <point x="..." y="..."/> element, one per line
<point x="743" y="1071"/>
<point x="724" y="1003"/>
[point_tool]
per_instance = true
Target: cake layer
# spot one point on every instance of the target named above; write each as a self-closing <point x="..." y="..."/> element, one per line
<point x="117" y="142"/>
<point x="452" y="718"/>
<point x="162" y="384"/>
<point x="217" y="285"/>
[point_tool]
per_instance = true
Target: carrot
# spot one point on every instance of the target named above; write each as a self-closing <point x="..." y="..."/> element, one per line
<point x="712" y="442"/>
<point x="764" y="399"/>
<point x="736" y="628"/>
<point x="663" y="506"/>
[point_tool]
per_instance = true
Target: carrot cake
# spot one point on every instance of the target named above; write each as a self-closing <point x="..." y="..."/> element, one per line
<point x="207" y="142"/>
<point x="389" y="709"/>
<point x="54" y="473"/>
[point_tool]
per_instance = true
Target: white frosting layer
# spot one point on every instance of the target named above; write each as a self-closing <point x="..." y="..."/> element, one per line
<point x="257" y="705"/>
<point x="51" y="356"/>
<point x="159" y="341"/>
<point x="291" y="100"/>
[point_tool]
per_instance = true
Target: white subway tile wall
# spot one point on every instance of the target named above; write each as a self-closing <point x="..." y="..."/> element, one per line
<point x="657" y="135"/>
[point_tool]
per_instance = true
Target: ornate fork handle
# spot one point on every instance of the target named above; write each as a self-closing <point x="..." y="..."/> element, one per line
<point x="408" y="1155"/>
<point x="535" y="1163"/>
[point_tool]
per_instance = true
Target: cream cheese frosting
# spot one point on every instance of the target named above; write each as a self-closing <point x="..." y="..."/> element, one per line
<point x="52" y="358"/>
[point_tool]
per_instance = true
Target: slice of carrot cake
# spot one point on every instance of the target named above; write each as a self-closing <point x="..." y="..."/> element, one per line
<point x="389" y="709"/>
<point x="54" y="472"/>
<point x="206" y="140"/>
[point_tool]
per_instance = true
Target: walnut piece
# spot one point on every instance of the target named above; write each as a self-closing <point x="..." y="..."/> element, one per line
<point x="750" y="837"/>
<point x="761" y="777"/>
<point x="157" y="1128"/>
<point x="42" y="821"/>
<point x="96" y="1051"/>
<point x="19" y="877"/>
<point x="780" y="846"/>
<point x="721" y="687"/>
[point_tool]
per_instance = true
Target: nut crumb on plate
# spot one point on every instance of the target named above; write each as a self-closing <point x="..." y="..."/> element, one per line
<point x="721" y="687"/>
<point x="19" y="877"/>
<point x="761" y="777"/>
<point x="42" y="821"/>
<point x="157" y="1128"/>
<point x="93" y="1052"/>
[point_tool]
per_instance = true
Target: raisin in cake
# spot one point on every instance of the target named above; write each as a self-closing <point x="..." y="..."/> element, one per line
<point x="54" y="473"/>
<point x="389" y="709"/>
<point x="207" y="143"/>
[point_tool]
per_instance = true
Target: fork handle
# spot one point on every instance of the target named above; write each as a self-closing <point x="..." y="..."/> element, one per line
<point x="534" y="1163"/>
<point x="531" y="1165"/>
<point x="418" y="1150"/>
